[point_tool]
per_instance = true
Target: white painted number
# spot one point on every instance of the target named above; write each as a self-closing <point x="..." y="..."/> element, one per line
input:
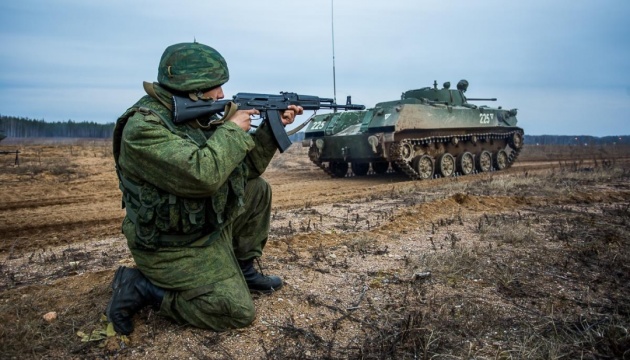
<point x="318" y="125"/>
<point x="485" y="118"/>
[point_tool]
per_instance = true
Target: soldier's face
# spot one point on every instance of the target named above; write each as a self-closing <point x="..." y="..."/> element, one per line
<point x="216" y="93"/>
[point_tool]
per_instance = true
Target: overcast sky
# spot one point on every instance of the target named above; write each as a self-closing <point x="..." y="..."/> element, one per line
<point x="563" y="63"/>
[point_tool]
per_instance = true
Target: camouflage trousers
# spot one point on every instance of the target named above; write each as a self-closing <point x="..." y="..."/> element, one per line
<point x="204" y="285"/>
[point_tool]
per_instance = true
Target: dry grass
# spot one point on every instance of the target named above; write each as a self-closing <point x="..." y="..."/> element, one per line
<point x="56" y="158"/>
<point x="544" y="282"/>
<point x="572" y="153"/>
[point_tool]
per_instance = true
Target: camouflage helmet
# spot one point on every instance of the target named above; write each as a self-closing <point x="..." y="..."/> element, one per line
<point x="190" y="67"/>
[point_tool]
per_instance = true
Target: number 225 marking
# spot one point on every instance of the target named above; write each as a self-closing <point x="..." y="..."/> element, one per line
<point x="318" y="125"/>
<point x="485" y="118"/>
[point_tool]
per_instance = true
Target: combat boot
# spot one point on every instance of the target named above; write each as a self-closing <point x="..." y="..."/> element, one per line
<point x="132" y="291"/>
<point x="257" y="282"/>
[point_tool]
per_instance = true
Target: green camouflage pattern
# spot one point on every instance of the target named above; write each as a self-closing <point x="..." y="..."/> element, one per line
<point x="206" y="286"/>
<point x="190" y="67"/>
<point x="191" y="178"/>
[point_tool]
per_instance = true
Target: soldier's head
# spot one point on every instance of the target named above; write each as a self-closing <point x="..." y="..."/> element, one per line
<point x="462" y="85"/>
<point x="192" y="68"/>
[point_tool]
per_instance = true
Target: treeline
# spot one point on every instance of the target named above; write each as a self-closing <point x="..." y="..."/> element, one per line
<point x="15" y="127"/>
<point x="575" y="140"/>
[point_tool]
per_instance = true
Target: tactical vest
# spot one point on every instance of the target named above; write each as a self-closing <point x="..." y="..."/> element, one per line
<point x="163" y="219"/>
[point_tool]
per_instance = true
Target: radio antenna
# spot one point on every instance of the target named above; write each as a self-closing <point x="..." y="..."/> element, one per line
<point x="332" y="22"/>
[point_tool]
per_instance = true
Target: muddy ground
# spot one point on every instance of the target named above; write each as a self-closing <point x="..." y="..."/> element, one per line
<point x="530" y="262"/>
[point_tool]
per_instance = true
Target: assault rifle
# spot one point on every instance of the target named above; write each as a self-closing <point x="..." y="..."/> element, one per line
<point x="270" y="107"/>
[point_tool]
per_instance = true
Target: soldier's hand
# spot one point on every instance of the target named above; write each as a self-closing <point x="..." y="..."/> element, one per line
<point x="242" y="118"/>
<point x="288" y="116"/>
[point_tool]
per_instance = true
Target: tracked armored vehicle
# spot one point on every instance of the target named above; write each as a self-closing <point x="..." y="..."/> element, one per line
<point x="428" y="133"/>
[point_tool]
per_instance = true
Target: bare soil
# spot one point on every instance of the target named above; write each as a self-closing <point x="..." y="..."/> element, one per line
<point x="530" y="262"/>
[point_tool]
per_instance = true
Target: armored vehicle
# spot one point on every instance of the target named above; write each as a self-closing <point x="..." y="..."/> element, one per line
<point x="428" y="133"/>
<point x="2" y="135"/>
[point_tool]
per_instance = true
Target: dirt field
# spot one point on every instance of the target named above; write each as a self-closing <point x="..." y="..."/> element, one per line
<point x="531" y="262"/>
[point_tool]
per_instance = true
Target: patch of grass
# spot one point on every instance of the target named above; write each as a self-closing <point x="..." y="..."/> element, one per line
<point x="365" y="245"/>
<point x="63" y="169"/>
<point x="502" y="229"/>
<point x="540" y="292"/>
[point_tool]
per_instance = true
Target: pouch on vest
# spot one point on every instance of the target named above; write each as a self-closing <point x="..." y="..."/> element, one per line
<point x="193" y="216"/>
<point x="146" y="230"/>
<point x="165" y="220"/>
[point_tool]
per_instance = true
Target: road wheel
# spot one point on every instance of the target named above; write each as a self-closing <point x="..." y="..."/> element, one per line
<point x="465" y="163"/>
<point x="406" y="151"/>
<point x="516" y="141"/>
<point x="500" y="160"/>
<point x="424" y="166"/>
<point x="484" y="161"/>
<point x="446" y="165"/>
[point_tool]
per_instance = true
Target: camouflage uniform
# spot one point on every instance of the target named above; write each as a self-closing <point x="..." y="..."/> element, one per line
<point x="194" y="199"/>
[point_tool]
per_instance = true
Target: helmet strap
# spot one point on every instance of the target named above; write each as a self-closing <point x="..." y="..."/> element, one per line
<point x="149" y="89"/>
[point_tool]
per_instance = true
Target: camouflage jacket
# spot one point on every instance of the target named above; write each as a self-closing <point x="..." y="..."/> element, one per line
<point x="180" y="183"/>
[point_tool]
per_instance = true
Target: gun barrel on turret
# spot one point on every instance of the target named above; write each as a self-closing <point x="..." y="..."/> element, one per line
<point x="481" y="99"/>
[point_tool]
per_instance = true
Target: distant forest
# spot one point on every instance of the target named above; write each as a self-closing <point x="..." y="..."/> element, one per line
<point x="575" y="140"/>
<point x="14" y="127"/>
<point x="29" y="128"/>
